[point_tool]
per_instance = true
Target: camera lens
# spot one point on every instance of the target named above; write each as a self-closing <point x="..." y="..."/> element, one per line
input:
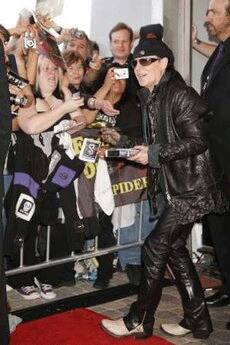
<point x="30" y="43"/>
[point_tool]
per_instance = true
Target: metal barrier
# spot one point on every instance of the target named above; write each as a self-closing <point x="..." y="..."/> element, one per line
<point x="77" y="257"/>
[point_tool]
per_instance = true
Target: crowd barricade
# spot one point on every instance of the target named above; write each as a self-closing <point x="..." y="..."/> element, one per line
<point x="128" y="182"/>
<point x="75" y="257"/>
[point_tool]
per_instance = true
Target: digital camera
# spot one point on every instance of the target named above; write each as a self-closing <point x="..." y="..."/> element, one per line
<point x="121" y="73"/>
<point x="29" y="42"/>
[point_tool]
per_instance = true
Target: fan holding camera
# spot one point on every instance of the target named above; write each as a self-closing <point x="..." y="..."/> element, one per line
<point x="116" y="90"/>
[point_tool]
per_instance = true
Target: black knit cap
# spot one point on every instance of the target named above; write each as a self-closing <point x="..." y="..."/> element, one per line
<point x="151" y="43"/>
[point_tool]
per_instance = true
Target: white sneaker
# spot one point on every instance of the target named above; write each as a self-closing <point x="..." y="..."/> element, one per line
<point x="46" y="290"/>
<point x="175" y="329"/>
<point x="28" y="292"/>
<point x="118" y="329"/>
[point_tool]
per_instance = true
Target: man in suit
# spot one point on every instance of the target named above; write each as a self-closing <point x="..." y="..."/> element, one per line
<point x="5" y="127"/>
<point x="215" y="88"/>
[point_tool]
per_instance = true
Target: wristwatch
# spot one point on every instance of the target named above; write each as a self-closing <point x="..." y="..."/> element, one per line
<point x="91" y="102"/>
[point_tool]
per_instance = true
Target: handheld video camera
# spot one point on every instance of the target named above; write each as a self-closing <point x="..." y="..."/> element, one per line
<point x="15" y="79"/>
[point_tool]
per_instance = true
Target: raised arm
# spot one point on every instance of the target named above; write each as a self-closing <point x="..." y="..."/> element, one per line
<point x="204" y="48"/>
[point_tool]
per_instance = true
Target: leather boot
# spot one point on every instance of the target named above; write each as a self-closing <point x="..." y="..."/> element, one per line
<point x="142" y="323"/>
<point x="196" y="315"/>
<point x="118" y="329"/>
<point x="142" y="311"/>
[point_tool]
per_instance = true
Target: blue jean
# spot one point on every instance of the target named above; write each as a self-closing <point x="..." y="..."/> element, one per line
<point x="130" y="234"/>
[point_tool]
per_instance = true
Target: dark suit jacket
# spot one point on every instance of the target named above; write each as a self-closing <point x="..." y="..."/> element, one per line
<point x="217" y="94"/>
<point x="5" y="128"/>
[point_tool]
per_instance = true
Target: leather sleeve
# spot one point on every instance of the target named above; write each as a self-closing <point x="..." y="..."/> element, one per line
<point x="188" y="115"/>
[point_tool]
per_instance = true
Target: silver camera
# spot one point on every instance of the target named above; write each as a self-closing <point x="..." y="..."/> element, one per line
<point x="120" y="153"/>
<point x="29" y="42"/>
<point x="121" y="73"/>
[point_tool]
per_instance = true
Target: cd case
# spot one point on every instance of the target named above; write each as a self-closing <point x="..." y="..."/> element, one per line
<point x="89" y="150"/>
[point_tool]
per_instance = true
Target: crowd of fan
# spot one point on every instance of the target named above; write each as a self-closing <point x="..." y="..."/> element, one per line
<point x="63" y="82"/>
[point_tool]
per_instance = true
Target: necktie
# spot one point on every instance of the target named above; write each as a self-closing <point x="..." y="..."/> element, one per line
<point x="217" y="59"/>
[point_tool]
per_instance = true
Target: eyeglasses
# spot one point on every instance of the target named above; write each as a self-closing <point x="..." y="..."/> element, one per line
<point x="144" y="61"/>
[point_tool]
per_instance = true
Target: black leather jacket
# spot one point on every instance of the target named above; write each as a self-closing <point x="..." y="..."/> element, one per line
<point x="174" y="128"/>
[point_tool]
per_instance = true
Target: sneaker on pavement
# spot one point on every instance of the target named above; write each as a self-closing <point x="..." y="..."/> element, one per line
<point x="28" y="292"/>
<point x="46" y="290"/>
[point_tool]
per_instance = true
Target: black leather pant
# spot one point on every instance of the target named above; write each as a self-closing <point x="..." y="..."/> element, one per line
<point x="166" y="244"/>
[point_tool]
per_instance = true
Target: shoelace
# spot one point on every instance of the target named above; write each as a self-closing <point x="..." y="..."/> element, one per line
<point x="46" y="287"/>
<point x="28" y="288"/>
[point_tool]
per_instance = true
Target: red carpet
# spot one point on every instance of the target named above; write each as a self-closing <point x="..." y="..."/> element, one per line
<point x="75" y="327"/>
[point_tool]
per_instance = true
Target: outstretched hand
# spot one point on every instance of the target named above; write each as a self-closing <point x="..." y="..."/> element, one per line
<point x="110" y="135"/>
<point x="107" y="107"/>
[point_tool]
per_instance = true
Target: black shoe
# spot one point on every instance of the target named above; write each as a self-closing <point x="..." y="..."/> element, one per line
<point x="134" y="274"/>
<point x="228" y="326"/>
<point x="101" y="283"/>
<point x="219" y="299"/>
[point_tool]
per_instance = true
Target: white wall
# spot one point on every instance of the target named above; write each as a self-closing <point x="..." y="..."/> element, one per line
<point x="198" y="60"/>
<point x="177" y="25"/>
<point x="105" y="14"/>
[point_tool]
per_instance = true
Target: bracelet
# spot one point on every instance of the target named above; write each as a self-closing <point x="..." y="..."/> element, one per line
<point x="91" y="102"/>
<point x="197" y="41"/>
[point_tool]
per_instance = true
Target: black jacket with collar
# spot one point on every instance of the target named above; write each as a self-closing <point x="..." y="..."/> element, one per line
<point x="190" y="180"/>
<point x="217" y="95"/>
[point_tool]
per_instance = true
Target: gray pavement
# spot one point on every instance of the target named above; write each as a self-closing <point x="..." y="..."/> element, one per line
<point x="169" y="310"/>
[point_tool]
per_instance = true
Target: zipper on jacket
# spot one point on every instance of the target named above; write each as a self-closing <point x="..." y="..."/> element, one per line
<point x="168" y="196"/>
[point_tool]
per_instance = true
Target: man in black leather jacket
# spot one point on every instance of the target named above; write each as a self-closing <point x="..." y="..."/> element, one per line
<point x="174" y="125"/>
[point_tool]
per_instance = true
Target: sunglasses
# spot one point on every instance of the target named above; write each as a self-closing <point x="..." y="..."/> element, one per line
<point x="144" y="61"/>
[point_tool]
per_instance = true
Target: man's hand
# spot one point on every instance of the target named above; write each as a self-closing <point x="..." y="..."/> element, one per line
<point x="110" y="135"/>
<point x="141" y="156"/>
<point x="194" y="33"/>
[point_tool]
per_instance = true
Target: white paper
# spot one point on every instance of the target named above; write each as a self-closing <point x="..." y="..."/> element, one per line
<point x="52" y="8"/>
